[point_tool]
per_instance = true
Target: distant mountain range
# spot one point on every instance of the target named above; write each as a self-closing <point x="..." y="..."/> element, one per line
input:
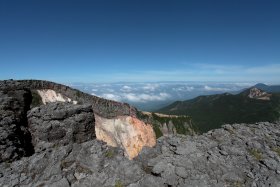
<point x="258" y="103"/>
<point x="271" y="89"/>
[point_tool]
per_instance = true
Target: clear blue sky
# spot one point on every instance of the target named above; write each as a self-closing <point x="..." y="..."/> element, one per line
<point x="140" y="40"/>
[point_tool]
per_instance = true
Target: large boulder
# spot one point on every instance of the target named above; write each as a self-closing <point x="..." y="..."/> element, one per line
<point x="15" y="140"/>
<point x="58" y="124"/>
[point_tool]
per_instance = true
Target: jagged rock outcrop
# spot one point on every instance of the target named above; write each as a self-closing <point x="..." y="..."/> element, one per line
<point x="102" y="107"/>
<point x="256" y="93"/>
<point x="235" y="155"/>
<point x="15" y="140"/>
<point x="50" y="96"/>
<point x="59" y="124"/>
<point x="125" y="131"/>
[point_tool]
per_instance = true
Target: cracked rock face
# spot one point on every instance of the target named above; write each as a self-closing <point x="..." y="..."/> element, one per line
<point x="235" y="155"/>
<point x="15" y="140"/>
<point x="58" y="124"/>
<point x="125" y="131"/>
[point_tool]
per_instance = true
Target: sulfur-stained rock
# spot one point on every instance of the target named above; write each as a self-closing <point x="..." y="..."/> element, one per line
<point x="125" y="131"/>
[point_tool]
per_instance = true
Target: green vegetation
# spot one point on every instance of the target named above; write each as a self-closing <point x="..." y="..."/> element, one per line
<point x="118" y="184"/>
<point x="110" y="153"/>
<point x="179" y="122"/>
<point x="36" y="99"/>
<point x="157" y="130"/>
<point x="144" y="117"/>
<point x="182" y="124"/>
<point x="276" y="150"/>
<point x="7" y="164"/>
<point x="238" y="184"/>
<point x="255" y="153"/>
<point x="211" y="112"/>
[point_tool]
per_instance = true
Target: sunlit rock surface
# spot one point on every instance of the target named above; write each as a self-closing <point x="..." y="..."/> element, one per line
<point x="125" y="131"/>
<point x="50" y="96"/>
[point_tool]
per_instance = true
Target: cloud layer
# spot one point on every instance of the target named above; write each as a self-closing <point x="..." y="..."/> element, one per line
<point x="148" y="95"/>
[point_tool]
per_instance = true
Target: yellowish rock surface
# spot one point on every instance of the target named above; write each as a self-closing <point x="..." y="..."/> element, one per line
<point x="125" y="131"/>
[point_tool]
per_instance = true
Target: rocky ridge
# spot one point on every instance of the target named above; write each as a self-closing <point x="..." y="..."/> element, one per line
<point x="66" y="121"/>
<point x="103" y="107"/>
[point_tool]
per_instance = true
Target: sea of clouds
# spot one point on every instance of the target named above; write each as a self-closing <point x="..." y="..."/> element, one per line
<point x="152" y="96"/>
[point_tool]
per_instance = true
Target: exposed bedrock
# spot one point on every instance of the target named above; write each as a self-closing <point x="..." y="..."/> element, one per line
<point x="58" y="124"/>
<point x="126" y="132"/>
<point x="15" y="140"/>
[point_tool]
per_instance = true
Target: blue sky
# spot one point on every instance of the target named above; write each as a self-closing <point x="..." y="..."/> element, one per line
<point x="147" y="40"/>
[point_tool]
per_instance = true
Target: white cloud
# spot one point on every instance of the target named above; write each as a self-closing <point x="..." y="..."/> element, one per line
<point x="151" y="87"/>
<point x="135" y="98"/>
<point x="126" y="88"/>
<point x="209" y="88"/>
<point x="111" y="96"/>
<point x="183" y="89"/>
<point x="145" y="97"/>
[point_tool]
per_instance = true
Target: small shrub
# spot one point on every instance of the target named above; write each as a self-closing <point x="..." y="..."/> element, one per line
<point x="109" y="153"/>
<point x="276" y="150"/>
<point x="238" y="184"/>
<point x="36" y="99"/>
<point x="256" y="153"/>
<point x="118" y="184"/>
<point x="157" y="130"/>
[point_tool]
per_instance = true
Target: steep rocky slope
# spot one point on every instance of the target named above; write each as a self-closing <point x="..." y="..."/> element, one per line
<point x="65" y="121"/>
<point x="235" y="155"/>
<point x="15" y="140"/>
<point x="103" y="107"/>
<point x="165" y="125"/>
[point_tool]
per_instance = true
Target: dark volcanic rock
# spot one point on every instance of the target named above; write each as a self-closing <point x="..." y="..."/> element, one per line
<point x="58" y="124"/>
<point x="236" y="155"/>
<point x="15" y="140"/>
<point x="103" y="107"/>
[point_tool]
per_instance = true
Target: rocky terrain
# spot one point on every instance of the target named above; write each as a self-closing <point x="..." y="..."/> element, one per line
<point x="235" y="155"/>
<point x="81" y="144"/>
<point x="115" y="123"/>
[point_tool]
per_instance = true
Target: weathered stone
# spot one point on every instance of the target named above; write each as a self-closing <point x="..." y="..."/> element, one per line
<point x="60" y="127"/>
<point x="126" y="132"/>
<point x="15" y="140"/>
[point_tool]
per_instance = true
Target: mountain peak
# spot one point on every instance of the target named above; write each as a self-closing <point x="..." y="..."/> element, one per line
<point x="260" y="84"/>
<point x="256" y="93"/>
